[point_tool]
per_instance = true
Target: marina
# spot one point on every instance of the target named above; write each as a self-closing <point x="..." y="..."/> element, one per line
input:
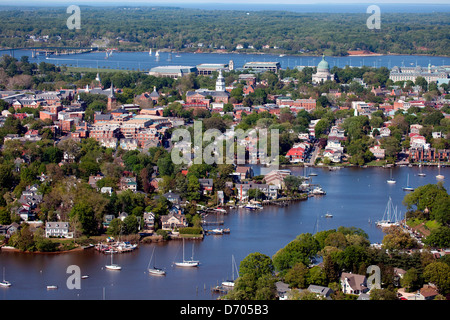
<point x="354" y="196"/>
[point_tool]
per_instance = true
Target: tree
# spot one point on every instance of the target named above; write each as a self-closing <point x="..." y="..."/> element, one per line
<point x="411" y="280"/>
<point x="439" y="274"/>
<point x="86" y="215"/>
<point x="296" y="277"/>
<point x="256" y="264"/>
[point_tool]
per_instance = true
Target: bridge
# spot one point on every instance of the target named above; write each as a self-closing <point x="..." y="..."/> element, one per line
<point x="51" y="50"/>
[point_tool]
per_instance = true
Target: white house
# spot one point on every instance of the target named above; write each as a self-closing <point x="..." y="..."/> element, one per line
<point x="58" y="229"/>
<point x="353" y="283"/>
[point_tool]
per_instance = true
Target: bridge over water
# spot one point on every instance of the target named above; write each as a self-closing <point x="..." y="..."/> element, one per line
<point x="50" y="50"/>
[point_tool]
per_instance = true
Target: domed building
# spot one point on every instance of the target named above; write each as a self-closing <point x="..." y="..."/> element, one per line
<point x="323" y="72"/>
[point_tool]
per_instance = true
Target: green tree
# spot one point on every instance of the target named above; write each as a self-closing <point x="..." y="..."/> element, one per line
<point x="439" y="274"/>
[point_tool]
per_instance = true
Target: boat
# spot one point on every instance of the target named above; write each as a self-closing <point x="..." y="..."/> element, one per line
<point x="408" y="187"/>
<point x="439" y="176"/>
<point x="318" y="191"/>
<point x="253" y="206"/>
<point x="4" y="282"/>
<point x="157" y="54"/>
<point x="313" y="174"/>
<point x="150" y="52"/>
<point x="328" y="215"/>
<point x="188" y="263"/>
<point x="113" y="266"/>
<point x="154" y="270"/>
<point x="52" y="287"/>
<point x="389" y="217"/>
<point x="391" y="180"/>
<point x="220" y="210"/>
<point x="421" y="174"/>
<point x="216" y="231"/>
<point x="230" y="283"/>
<point x="84" y="277"/>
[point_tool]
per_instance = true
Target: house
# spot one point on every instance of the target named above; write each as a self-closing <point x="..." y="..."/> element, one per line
<point x="93" y="180"/>
<point x="276" y="177"/>
<point x="149" y="220"/>
<point x="353" y="283"/>
<point x="427" y="292"/>
<point x="320" y="290"/>
<point x="172" y="197"/>
<point x="244" y="172"/>
<point x="377" y="151"/>
<point x="8" y="230"/>
<point x="173" y="221"/>
<point x="128" y="183"/>
<point x="206" y="185"/>
<point x="58" y="229"/>
<point x="107" y="219"/>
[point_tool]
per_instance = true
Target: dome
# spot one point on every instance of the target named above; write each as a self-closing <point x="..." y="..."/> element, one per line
<point x="323" y="64"/>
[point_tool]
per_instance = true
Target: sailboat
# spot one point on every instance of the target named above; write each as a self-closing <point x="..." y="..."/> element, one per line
<point x="408" y="188"/>
<point x="113" y="266"/>
<point x="150" y="52"/>
<point x="439" y="176"/>
<point x="230" y="283"/>
<point x="169" y="58"/>
<point x="153" y="270"/>
<point x="5" y="283"/>
<point x="188" y="263"/>
<point x="390" y="216"/>
<point x="391" y="180"/>
<point x="421" y="174"/>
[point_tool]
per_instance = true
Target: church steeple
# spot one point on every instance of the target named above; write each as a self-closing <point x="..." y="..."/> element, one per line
<point x="220" y="83"/>
<point x="111" y="98"/>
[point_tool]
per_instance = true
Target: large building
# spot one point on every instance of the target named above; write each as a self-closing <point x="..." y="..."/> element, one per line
<point x="431" y="74"/>
<point x="172" y="71"/>
<point x="323" y="72"/>
<point x="207" y="69"/>
<point x="201" y="96"/>
<point x="263" y="66"/>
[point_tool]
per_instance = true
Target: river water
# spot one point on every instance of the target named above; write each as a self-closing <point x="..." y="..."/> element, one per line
<point x="144" y="62"/>
<point x="354" y="196"/>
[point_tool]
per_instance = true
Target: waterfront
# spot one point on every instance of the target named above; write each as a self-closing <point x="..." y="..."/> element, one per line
<point x="142" y="61"/>
<point x="354" y="196"/>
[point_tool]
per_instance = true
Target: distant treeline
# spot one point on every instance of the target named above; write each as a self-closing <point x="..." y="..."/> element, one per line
<point x="141" y="28"/>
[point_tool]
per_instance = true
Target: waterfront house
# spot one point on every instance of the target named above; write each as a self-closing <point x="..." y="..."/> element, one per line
<point x="149" y="220"/>
<point x="173" y="221"/>
<point x="353" y="283"/>
<point x="8" y="230"/>
<point x="58" y="229"/>
<point x="276" y="177"/>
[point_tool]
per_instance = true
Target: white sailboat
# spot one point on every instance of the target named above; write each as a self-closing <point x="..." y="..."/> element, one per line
<point x="188" y="263"/>
<point x="153" y="270"/>
<point x="150" y="52"/>
<point x="5" y="283"/>
<point x="439" y="176"/>
<point x="391" y="180"/>
<point x="230" y="283"/>
<point x="421" y="174"/>
<point x="390" y="216"/>
<point x="408" y="187"/>
<point x="113" y="266"/>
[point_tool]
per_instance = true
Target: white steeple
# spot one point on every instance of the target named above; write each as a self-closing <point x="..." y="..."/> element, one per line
<point x="220" y="83"/>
